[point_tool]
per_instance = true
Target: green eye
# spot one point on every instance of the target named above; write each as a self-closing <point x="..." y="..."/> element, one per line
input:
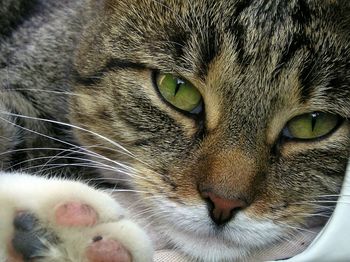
<point x="311" y="126"/>
<point x="180" y="93"/>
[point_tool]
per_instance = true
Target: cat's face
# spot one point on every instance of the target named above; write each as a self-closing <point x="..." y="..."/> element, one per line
<point x="236" y="165"/>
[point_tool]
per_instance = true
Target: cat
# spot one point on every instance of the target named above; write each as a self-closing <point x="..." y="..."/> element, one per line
<point x="221" y="126"/>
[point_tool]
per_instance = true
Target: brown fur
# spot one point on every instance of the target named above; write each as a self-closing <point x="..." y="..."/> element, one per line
<point x="246" y="107"/>
<point x="257" y="64"/>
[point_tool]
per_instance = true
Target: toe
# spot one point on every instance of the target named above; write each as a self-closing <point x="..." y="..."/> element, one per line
<point x="27" y="241"/>
<point x="107" y="250"/>
<point x="75" y="214"/>
<point x="25" y="221"/>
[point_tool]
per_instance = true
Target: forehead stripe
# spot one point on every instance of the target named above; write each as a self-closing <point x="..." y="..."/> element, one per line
<point x="113" y="64"/>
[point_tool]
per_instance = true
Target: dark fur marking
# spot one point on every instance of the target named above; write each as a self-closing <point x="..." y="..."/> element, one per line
<point x="113" y="64"/>
<point x="339" y="79"/>
<point x="336" y="84"/>
<point x="15" y="14"/>
<point x="178" y="39"/>
<point x="297" y="42"/>
<point x="128" y="117"/>
<point x="302" y="14"/>
<point x="3" y="65"/>
<point x="209" y="50"/>
<point x="104" y="114"/>
<point x="146" y="141"/>
<point x="165" y="177"/>
<point x="238" y="31"/>
<point x="306" y="79"/>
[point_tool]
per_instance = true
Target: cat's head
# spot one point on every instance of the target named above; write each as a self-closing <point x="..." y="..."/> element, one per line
<point x="235" y="113"/>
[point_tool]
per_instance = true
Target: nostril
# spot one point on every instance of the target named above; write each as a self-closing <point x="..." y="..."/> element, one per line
<point x="221" y="209"/>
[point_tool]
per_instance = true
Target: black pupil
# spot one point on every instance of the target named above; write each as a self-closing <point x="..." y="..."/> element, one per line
<point x="179" y="82"/>
<point x="313" y="121"/>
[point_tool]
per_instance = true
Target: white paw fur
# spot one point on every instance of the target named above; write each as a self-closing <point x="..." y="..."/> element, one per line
<point x="38" y="195"/>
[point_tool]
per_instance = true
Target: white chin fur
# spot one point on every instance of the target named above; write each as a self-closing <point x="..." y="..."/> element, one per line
<point x="229" y="244"/>
<point x="190" y="230"/>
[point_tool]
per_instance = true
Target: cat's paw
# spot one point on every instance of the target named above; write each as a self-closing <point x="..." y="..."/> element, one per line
<point x="59" y="220"/>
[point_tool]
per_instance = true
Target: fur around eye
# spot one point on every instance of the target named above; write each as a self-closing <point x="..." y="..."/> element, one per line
<point x="311" y="126"/>
<point x="175" y="111"/>
<point x="179" y="93"/>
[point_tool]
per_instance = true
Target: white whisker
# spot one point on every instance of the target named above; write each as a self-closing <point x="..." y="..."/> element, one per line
<point x="73" y="145"/>
<point x="127" y="152"/>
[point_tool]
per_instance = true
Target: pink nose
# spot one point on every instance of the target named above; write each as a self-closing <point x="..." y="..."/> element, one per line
<point x="221" y="209"/>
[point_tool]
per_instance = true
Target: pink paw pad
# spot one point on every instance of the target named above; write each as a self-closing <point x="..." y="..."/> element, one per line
<point x="75" y="214"/>
<point x="107" y="250"/>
